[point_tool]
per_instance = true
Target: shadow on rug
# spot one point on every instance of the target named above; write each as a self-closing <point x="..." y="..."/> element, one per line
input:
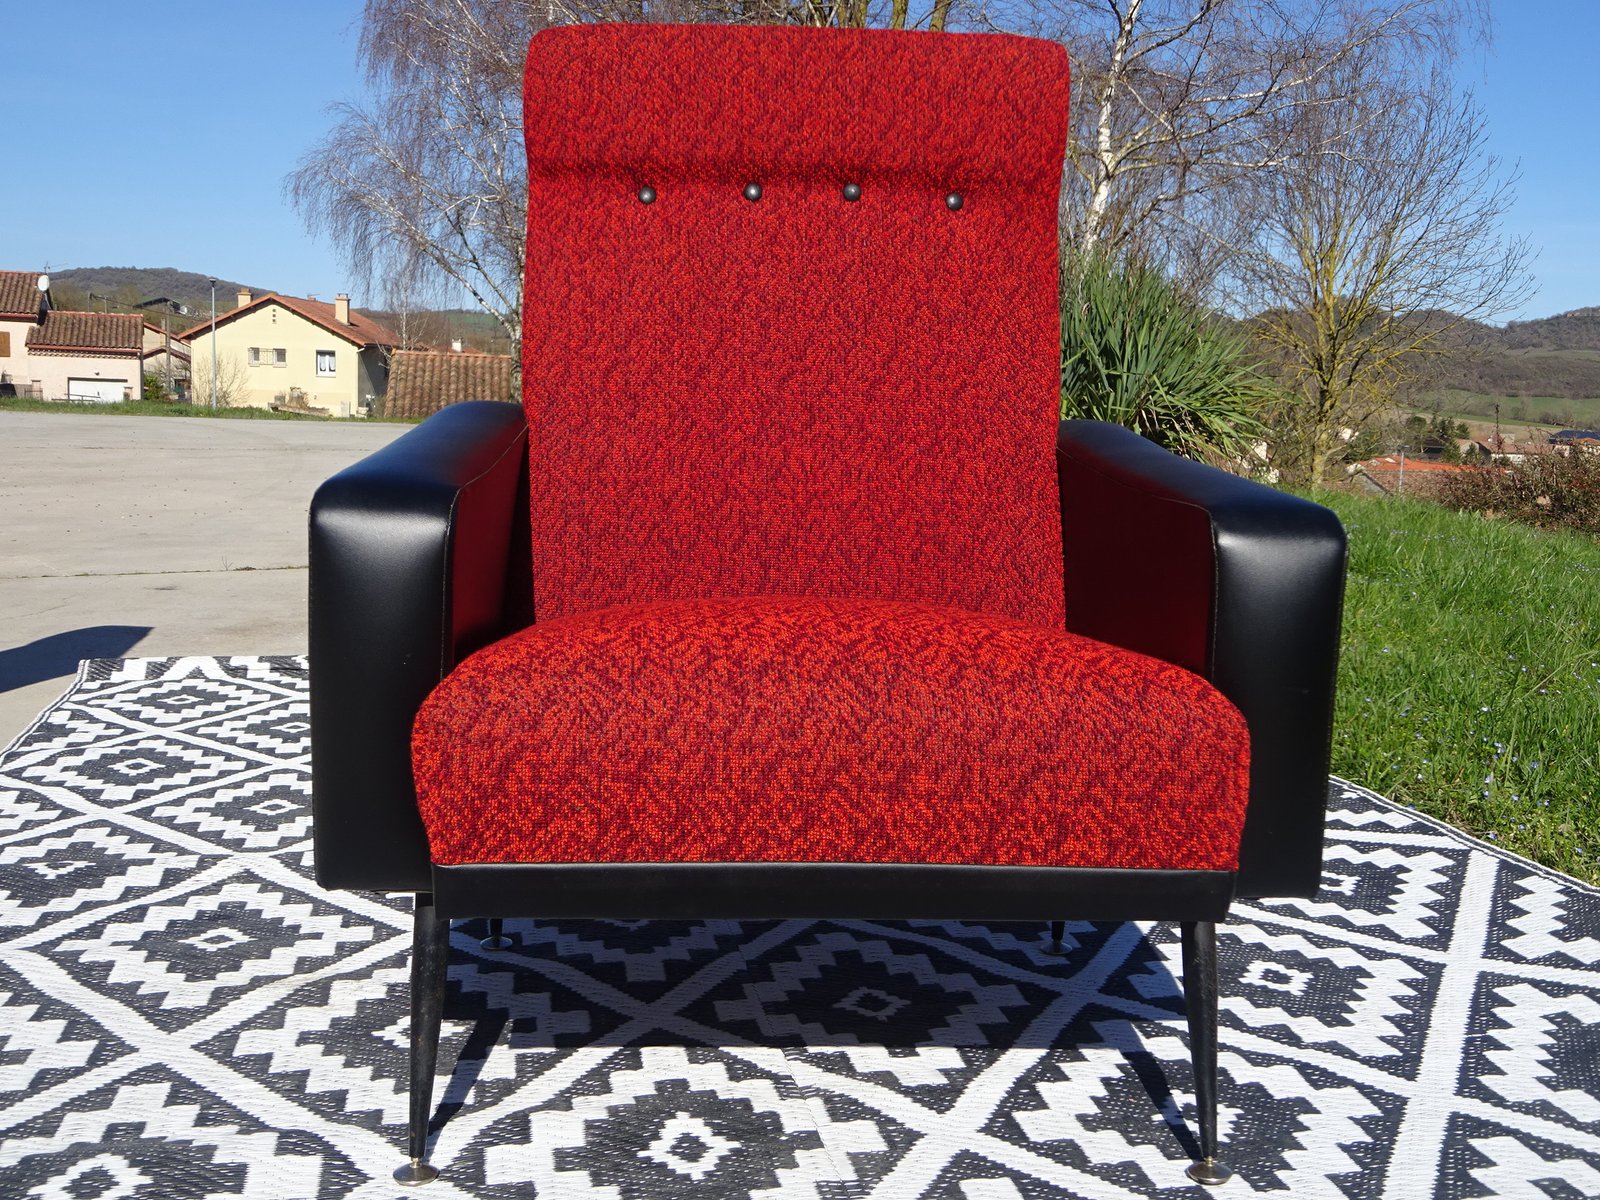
<point x="183" y="1013"/>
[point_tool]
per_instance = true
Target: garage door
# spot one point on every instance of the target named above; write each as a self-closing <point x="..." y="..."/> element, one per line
<point x="100" y="391"/>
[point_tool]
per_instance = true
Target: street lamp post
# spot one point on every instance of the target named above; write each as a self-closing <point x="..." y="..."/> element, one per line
<point x="213" y="344"/>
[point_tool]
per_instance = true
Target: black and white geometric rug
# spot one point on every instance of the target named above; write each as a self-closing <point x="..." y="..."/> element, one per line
<point x="184" y="1014"/>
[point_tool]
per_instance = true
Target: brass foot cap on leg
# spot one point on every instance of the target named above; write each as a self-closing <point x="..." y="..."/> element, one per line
<point x="415" y="1173"/>
<point x="502" y="942"/>
<point x="1209" y="1172"/>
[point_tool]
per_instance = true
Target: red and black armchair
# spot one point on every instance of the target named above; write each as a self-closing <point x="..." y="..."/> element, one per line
<point x="785" y="594"/>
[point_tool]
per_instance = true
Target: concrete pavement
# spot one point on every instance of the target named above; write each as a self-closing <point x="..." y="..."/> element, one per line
<point x="151" y="536"/>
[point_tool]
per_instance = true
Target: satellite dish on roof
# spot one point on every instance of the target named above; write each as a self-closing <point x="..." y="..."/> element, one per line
<point x="44" y="283"/>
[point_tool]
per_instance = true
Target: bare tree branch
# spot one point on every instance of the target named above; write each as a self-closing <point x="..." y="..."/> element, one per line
<point x="1379" y="243"/>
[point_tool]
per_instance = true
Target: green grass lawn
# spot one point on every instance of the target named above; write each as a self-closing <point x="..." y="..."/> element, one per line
<point x="1514" y="410"/>
<point x="1469" y="684"/>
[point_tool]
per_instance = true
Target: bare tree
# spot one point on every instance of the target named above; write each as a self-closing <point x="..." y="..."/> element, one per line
<point x="1380" y="241"/>
<point x="1179" y="103"/>
<point x="233" y="384"/>
<point x="427" y="184"/>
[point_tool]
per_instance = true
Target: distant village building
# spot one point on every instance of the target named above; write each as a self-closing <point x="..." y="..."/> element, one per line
<point x="293" y="352"/>
<point x="50" y="353"/>
<point x="1586" y="440"/>
<point x="22" y="306"/>
<point x="1391" y="475"/>
<point x="1515" y="453"/>
<point x="89" y="357"/>
<point x="421" y="382"/>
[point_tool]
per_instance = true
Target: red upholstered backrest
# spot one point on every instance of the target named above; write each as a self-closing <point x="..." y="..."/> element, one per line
<point x="800" y="394"/>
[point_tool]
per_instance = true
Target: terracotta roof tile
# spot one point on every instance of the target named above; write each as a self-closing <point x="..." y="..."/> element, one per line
<point x="1392" y="463"/>
<point x="362" y="331"/>
<point x="114" y="333"/>
<point x="422" y="382"/>
<point x="19" y="293"/>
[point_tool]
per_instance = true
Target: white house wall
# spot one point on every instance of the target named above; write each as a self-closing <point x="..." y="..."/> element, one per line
<point x="52" y="371"/>
<point x="16" y="366"/>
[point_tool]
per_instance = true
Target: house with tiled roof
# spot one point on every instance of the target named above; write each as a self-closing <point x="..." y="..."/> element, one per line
<point x="88" y="356"/>
<point x="421" y="382"/>
<point x="292" y="352"/>
<point x="1393" y="475"/>
<point x="22" y="306"/>
<point x="55" y="354"/>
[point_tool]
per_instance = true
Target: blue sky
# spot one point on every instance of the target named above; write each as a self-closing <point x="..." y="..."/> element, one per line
<point x="152" y="139"/>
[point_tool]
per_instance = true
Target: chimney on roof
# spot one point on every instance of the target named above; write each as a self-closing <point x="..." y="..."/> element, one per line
<point x="341" y="308"/>
<point x="455" y="345"/>
<point x="244" y="297"/>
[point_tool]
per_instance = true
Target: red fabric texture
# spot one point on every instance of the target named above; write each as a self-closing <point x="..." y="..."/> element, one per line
<point x="801" y="394"/>
<point x="826" y="730"/>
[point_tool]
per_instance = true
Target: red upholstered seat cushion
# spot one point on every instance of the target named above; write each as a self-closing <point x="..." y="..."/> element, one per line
<point x="826" y="730"/>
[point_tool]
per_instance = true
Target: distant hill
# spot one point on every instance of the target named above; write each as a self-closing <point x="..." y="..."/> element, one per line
<point x="475" y="329"/>
<point x="1553" y="358"/>
<point x="1575" y="330"/>
<point x="127" y="286"/>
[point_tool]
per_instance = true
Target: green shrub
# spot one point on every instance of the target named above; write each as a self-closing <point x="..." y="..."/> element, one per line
<point x="1136" y="351"/>
<point x="1547" y="492"/>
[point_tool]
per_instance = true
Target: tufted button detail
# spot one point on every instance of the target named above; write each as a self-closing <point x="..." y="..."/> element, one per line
<point x="647" y="195"/>
<point x="752" y="192"/>
<point x="953" y="201"/>
<point x="852" y="192"/>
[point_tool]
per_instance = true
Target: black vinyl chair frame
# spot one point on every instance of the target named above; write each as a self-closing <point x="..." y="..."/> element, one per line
<point x="420" y="555"/>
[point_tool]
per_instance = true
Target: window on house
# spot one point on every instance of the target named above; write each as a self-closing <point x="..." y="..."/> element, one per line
<point x="280" y="357"/>
<point x="253" y="356"/>
<point x="5" y="344"/>
<point x="325" y="362"/>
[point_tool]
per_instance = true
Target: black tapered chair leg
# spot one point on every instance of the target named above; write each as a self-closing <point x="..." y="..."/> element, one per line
<point x="1200" y="995"/>
<point x="430" y="955"/>
<point x="1058" y="934"/>
<point x="497" y="939"/>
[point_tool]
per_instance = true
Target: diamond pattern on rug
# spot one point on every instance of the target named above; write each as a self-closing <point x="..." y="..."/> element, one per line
<point x="1402" y="894"/>
<point x="162" y="703"/>
<point x="183" y="1013"/>
<point x="890" y="1013"/>
<point x="23" y="808"/>
<point x="1541" y="920"/>
<point x="1312" y="991"/>
<point x="666" y="1122"/>
<point x="44" y="1042"/>
<point x="643" y="958"/>
<point x="339" y="1046"/>
<point x="262" y="812"/>
<point x="1537" y="1050"/>
<point x="282" y="731"/>
<point x="155" y="1134"/>
<point x="1492" y="1159"/>
<point x="132" y="769"/>
<point x="176" y="960"/>
<point x="47" y="876"/>
<point x="1120" y="1105"/>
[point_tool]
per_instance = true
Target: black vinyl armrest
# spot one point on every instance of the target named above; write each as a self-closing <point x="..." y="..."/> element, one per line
<point x="418" y="556"/>
<point x="1236" y="581"/>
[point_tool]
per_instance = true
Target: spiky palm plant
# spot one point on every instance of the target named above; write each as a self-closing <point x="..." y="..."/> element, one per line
<point x="1137" y="352"/>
